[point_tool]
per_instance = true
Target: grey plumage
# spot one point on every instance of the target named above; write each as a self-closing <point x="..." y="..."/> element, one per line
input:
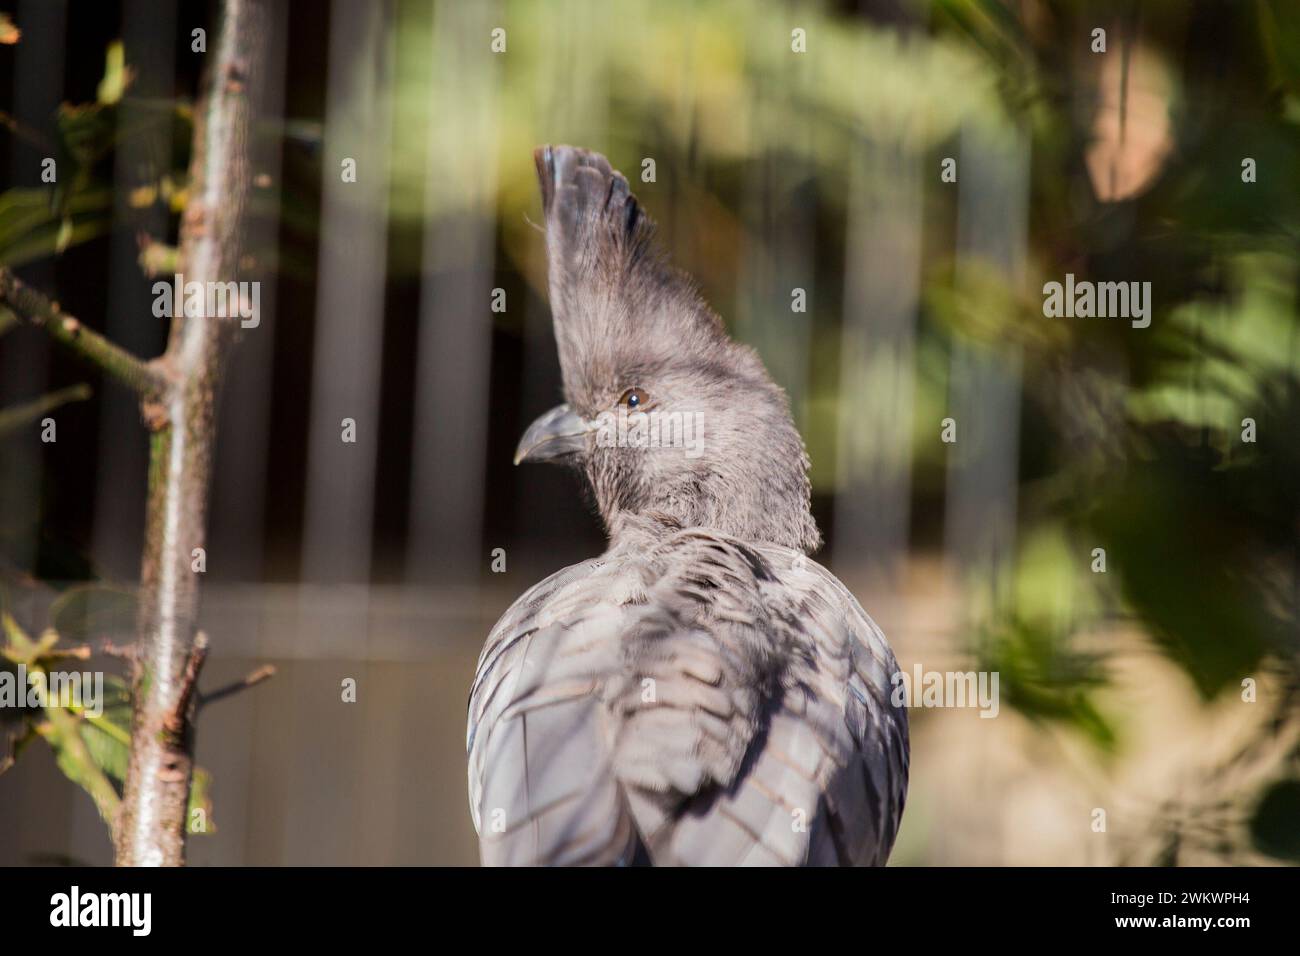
<point x="702" y="693"/>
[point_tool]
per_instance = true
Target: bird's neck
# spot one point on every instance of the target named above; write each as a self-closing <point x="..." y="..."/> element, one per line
<point x="629" y="530"/>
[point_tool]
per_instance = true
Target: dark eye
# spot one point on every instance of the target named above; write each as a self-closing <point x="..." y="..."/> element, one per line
<point x="634" y="398"/>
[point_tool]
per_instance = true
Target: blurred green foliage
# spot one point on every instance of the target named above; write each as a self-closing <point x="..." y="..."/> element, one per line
<point x="91" y="739"/>
<point x="1132" y="440"/>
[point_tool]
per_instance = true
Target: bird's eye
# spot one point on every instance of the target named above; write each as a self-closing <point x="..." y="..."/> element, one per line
<point x="634" y="399"/>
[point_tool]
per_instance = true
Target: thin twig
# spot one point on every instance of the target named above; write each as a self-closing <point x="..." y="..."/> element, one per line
<point x="80" y="652"/>
<point x="157" y="258"/>
<point x="265" y="672"/>
<point x="18" y="416"/>
<point x="176" y="722"/>
<point x="23" y="131"/>
<point x="136" y="374"/>
<point x="124" y="652"/>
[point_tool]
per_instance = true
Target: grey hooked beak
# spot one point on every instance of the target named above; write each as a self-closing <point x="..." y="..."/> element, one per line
<point x="556" y="434"/>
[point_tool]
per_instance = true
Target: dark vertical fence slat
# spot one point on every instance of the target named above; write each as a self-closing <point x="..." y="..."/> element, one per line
<point x="984" y="396"/>
<point x="240" y="487"/>
<point x="326" y="734"/>
<point x="38" y="85"/>
<point x="148" y="29"/>
<point x="984" y="400"/>
<point x="228" y="733"/>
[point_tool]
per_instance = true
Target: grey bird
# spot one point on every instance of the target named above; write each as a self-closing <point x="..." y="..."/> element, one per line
<point x="703" y="693"/>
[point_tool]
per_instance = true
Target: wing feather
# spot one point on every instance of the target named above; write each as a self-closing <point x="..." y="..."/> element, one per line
<point x="700" y="702"/>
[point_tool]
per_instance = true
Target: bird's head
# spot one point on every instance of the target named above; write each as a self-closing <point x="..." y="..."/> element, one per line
<point x="670" y="420"/>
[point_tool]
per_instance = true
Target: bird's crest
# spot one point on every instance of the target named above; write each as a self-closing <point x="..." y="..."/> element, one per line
<point x="614" y="296"/>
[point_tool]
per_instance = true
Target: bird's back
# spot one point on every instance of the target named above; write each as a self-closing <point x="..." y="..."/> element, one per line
<point x="687" y="699"/>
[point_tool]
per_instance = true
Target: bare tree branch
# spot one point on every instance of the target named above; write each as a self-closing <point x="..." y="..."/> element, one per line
<point x="151" y="826"/>
<point x="136" y="374"/>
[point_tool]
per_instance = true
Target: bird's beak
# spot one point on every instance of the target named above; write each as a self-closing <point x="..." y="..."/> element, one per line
<point x="556" y="434"/>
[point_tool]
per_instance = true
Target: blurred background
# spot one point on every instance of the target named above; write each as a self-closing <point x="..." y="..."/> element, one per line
<point x="1157" y="679"/>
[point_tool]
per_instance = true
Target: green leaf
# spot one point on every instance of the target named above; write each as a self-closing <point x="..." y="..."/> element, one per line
<point x="82" y="757"/>
<point x="44" y="240"/>
<point x="200" y="800"/>
<point x="31" y="220"/>
<point x="93" y="610"/>
<point x="1181" y="539"/>
<point x="20" y="416"/>
<point x="86" y="132"/>
<point x="75" y="760"/>
<point x="18" y="647"/>
<point x="116" y="75"/>
<point x="63" y="238"/>
<point x="108" y="736"/>
<point x="1046" y="680"/>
